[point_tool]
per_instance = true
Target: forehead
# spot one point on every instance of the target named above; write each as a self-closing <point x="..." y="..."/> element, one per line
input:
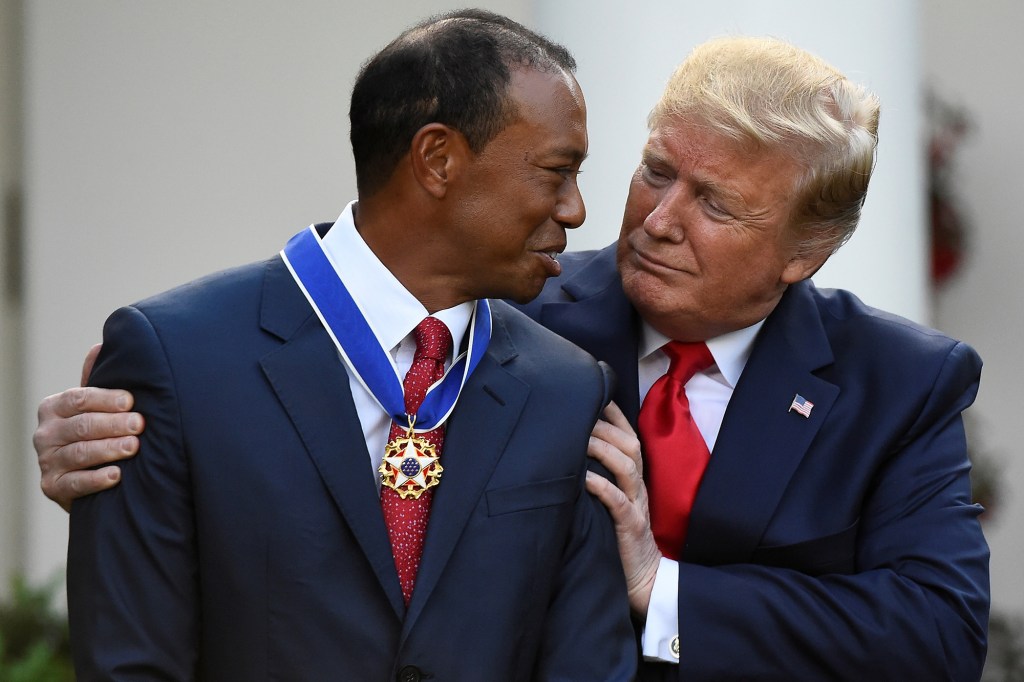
<point x="552" y="113"/>
<point x="697" y="146"/>
<point x="684" y="139"/>
<point x="751" y="179"/>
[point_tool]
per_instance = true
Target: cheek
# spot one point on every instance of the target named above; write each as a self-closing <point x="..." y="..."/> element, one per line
<point x="639" y="204"/>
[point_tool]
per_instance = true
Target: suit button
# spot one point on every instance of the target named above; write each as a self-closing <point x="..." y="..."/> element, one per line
<point x="410" y="673"/>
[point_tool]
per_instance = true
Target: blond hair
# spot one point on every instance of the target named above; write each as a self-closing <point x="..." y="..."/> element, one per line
<point x="771" y="94"/>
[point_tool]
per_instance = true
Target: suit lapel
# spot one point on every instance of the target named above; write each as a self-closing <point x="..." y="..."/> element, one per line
<point x="476" y="437"/>
<point x="312" y="385"/>
<point x="598" y="318"/>
<point x="762" y="442"/>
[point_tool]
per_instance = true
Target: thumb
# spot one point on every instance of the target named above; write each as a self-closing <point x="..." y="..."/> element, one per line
<point x="90" y="360"/>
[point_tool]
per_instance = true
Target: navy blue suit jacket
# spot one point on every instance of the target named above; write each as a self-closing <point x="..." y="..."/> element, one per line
<point x="246" y="541"/>
<point x="842" y="546"/>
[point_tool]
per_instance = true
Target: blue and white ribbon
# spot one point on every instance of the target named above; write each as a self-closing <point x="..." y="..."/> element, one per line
<point x="363" y="352"/>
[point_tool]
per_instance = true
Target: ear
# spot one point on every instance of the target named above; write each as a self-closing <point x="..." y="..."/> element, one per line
<point x="800" y="267"/>
<point x="436" y="153"/>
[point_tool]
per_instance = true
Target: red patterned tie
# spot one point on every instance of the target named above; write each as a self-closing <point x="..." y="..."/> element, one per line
<point x="675" y="454"/>
<point x="406" y="519"/>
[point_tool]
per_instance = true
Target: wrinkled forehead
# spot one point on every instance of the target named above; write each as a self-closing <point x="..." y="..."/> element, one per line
<point x="671" y="133"/>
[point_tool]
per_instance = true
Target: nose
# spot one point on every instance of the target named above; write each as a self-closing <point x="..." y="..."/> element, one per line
<point x="570" y="211"/>
<point x="665" y="221"/>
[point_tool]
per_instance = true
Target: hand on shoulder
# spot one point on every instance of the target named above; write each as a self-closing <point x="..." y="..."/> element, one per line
<point x="81" y="429"/>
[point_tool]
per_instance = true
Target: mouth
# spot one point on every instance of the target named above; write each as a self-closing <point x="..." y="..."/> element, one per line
<point x="650" y="262"/>
<point x="647" y="259"/>
<point x="549" y="258"/>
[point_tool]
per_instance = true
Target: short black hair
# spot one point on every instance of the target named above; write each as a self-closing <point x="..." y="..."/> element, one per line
<point x="453" y="68"/>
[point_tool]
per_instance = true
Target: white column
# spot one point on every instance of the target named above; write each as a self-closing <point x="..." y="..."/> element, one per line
<point x="626" y="51"/>
<point x="13" y="456"/>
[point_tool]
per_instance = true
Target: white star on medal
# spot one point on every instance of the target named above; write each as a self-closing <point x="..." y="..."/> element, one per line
<point x="422" y="460"/>
<point x="410" y="451"/>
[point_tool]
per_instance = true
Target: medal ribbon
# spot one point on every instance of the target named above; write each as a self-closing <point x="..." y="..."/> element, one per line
<point x="362" y="350"/>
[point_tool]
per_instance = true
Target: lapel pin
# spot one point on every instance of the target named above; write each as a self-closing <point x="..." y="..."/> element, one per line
<point x="801" y="405"/>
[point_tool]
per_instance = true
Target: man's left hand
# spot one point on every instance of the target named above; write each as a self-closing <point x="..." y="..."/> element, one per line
<point x="614" y="444"/>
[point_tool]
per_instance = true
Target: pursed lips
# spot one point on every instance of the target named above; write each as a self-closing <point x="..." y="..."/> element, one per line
<point x="650" y="262"/>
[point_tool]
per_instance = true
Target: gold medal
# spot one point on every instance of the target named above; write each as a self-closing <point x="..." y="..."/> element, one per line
<point x="410" y="465"/>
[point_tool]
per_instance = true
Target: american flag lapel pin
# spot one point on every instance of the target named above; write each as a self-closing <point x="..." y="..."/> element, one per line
<point x="802" y="405"/>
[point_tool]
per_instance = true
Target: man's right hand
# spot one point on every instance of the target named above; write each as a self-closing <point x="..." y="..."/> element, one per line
<point x="82" y="428"/>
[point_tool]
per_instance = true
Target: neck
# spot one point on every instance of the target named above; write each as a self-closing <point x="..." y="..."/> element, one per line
<point x="391" y="234"/>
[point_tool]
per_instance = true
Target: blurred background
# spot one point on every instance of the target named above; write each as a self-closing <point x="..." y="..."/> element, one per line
<point x="145" y="143"/>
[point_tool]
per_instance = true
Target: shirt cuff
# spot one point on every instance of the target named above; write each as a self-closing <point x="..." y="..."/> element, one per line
<point x="660" y="640"/>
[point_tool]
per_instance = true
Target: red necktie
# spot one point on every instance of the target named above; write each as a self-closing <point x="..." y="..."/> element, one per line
<point x="406" y="519"/>
<point x="675" y="454"/>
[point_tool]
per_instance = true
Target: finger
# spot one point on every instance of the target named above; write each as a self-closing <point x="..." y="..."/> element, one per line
<point x="90" y="360"/>
<point x="621" y="466"/>
<point x="57" y="462"/>
<point x="55" y="433"/>
<point x="70" y="486"/>
<point x="74" y="401"/>
<point x="624" y="439"/>
<point x="88" y="454"/>
<point x="610" y="496"/>
<point x="615" y="417"/>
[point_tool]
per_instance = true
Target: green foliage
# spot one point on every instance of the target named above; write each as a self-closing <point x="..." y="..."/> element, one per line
<point x="1005" y="662"/>
<point x="34" y="644"/>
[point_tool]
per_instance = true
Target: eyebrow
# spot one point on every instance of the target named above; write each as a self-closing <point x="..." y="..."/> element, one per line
<point x="721" y="190"/>
<point x="652" y="156"/>
<point x="573" y="153"/>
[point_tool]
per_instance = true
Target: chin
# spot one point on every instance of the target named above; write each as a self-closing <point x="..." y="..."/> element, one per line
<point x="643" y="288"/>
<point x="524" y="296"/>
<point x="652" y="297"/>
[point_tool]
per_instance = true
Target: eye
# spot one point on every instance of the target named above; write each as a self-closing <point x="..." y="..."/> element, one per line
<point x="567" y="172"/>
<point x="653" y="175"/>
<point x="714" y="208"/>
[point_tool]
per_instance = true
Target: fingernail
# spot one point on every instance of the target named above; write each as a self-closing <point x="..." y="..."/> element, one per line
<point x="114" y="474"/>
<point x="122" y="402"/>
<point x="135" y="423"/>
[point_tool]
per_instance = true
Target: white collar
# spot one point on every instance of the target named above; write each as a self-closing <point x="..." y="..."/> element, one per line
<point x="389" y="308"/>
<point x="730" y="351"/>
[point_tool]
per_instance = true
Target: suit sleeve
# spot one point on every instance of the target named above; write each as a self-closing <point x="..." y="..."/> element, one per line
<point x="588" y="634"/>
<point x="916" y="605"/>
<point x="132" y="572"/>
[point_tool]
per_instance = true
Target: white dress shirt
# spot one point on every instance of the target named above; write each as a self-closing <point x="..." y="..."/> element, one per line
<point x="392" y="313"/>
<point x="708" y="393"/>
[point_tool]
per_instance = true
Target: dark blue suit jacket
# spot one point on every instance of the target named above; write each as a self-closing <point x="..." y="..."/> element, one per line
<point x="246" y="541"/>
<point x="843" y="546"/>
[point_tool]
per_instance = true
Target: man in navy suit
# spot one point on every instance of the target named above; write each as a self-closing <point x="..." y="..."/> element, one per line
<point x="247" y="540"/>
<point x="832" y="536"/>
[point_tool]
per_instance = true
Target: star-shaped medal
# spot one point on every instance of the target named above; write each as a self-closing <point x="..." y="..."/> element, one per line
<point x="410" y="466"/>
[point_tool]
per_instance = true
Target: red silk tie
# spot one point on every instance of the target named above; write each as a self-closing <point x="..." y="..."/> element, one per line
<point x="675" y="454"/>
<point x="406" y="519"/>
